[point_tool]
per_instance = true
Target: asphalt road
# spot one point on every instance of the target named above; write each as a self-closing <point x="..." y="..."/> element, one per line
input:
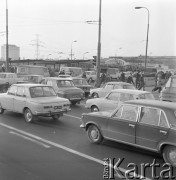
<point x="53" y="150"/>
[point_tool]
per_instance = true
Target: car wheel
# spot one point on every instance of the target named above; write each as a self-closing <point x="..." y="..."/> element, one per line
<point x="94" y="109"/>
<point x="169" y="155"/>
<point x="94" y="134"/>
<point x="1" y="109"/>
<point x="95" y="95"/>
<point x="56" y="117"/>
<point x="29" y="117"/>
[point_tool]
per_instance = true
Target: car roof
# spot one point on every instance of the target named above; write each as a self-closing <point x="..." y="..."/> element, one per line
<point x="58" y="78"/>
<point x="130" y="91"/>
<point x="32" y="75"/>
<point x="30" y="85"/>
<point x="152" y="103"/>
<point x="123" y="83"/>
<point x="6" y="73"/>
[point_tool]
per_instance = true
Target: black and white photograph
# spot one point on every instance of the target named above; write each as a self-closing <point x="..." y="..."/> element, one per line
<point x="87" y="89"/>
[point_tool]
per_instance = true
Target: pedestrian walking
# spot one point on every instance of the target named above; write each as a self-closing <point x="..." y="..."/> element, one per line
<point x="141" y="82"/>
<point x="158" y="84"/>
<point x="122" y="76"/>
<point x="137" y="81"/>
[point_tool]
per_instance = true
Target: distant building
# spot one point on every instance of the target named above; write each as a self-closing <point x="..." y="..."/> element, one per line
<point x="14" y="52"/>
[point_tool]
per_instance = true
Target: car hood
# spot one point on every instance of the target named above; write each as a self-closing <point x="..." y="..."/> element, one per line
<point x="103" y="113"/>
<point x="46" y="100"/>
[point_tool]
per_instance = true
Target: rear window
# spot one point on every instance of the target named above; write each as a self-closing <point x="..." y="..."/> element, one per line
<point x="147" y="96"/>
<point x="128" y="87"/>
<point x="42" y="92"/>
<point x="64" y="83"/>
<point x="173" y="82"/>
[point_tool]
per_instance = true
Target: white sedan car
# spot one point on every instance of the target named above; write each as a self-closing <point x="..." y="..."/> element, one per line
<point x="103" y="91"/>
<point x="33" y="100"/>
<point x="115" y="98"/>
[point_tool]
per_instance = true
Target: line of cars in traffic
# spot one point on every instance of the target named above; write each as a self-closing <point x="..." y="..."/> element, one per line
<point x="125" y="115"/>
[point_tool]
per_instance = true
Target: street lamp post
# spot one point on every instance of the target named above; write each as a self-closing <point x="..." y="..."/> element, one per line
<point x="146" y="38"/>
<point x="71" y="49"/>
<point x="84" y="54"/>
<point x="97" y="84"/>
<point x="7" y="45"/>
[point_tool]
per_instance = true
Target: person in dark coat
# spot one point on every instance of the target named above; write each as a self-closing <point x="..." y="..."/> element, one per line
<point x="122" y="77"/>
<point x="130" y="79"/>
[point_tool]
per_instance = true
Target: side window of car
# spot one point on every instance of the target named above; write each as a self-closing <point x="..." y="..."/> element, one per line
<point x="117" y="87"/>
<point x="113" y="96"/>
<point x="43" y="81"/>
<point x="149" y="116"/>
<point x="163" y="121"/>
<point x="12" y="90"/>
<point x="10" y="76"/>
<point x="20" y="91"/>
<point x="130" y="112"/>
<point x="118" y="113"/>
<point x="124" y="97"/>
<point x="49" y="82"/>
<point x="108" y="87"/>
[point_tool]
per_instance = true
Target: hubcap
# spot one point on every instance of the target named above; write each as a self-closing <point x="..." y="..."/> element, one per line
<point x="172" y="156"/>
<point x="95" y="96"/>
<point x="94" y="134"/>
<point x="28" y="116"/>
<point x="95" y="109"/>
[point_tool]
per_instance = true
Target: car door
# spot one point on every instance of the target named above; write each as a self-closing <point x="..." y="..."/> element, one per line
<point x="20" y="99"/>
<point x="151" y="128"/>
<point x="122" y="125"/>
<point x="105" y="90"/>
<point x="111" y="101"/>
<point x="9" y="101"/>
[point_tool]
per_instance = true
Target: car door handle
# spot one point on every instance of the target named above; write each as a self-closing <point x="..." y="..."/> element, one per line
<point x="163" y="132"/>
<point x="132" y="125"/>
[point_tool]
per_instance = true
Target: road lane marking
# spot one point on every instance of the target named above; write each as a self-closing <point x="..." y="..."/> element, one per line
<point x="65" y="148"/>
<point x="72" y="116"/>
<point x="30" y="139"/>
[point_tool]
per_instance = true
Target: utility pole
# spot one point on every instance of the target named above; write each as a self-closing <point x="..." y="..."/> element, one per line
<point x="7" y="44"/>
<point x="98" y="49"/>
<point x="37" y="44"/>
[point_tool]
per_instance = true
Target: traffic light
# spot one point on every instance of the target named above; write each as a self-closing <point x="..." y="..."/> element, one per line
<point x="94" y="62"/>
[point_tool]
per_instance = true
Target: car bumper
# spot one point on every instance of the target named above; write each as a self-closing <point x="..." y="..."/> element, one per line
<point x="82" y="126"/>
<point x="50" y="113"/>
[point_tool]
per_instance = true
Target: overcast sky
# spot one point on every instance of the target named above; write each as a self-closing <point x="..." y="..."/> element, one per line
<point x="60" y="22"/>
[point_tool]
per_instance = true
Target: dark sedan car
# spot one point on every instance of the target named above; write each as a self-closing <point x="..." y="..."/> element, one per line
<point x="148" y="124"/>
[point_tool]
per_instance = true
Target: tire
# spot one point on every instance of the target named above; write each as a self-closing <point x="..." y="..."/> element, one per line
<point x="56" y="117"/>
<point x="169" y="155"/>
<point x="29" y="117"/>
<point x="1" y="109"/>
<point x="95" y="95"/>
<point x="94" y="134"/>
<point x="94" y="108"/>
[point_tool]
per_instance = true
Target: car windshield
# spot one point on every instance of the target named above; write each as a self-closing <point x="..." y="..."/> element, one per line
<point x="128" y="87"/>
<point x="147" y="96"/>
<point x="65" y="83"/>
<point x="2" y="75"/>
<point x="80" y="82"/>
<point x="41" y="91"/>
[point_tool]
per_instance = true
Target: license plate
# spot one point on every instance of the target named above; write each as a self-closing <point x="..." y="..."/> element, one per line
<point x="57" y="107"/>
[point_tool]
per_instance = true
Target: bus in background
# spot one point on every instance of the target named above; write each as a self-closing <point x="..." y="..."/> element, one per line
<point x="72" y="71"/>
<point x="32" y="70"/>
